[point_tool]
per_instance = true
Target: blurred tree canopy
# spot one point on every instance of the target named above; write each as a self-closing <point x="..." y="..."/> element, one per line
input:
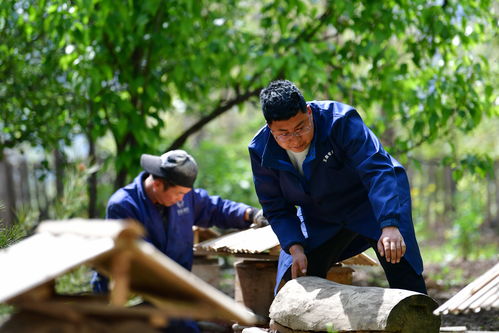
<point x="96" y="67"/>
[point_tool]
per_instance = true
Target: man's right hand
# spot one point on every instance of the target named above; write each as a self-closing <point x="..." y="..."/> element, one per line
<point x="299" y="266"/>
<point x="257" y="219"/>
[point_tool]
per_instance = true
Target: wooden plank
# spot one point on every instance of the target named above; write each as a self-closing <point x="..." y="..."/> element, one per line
<point x="475" y="299"/>
<point x="160" y="273"/>
<point x="488" y="297"/>
<point x="43" y="257"/>
<point x="78" y="308"/>
<point x="96" y="228"/>
<point x="360" y="259"/>
<point x="247" y="241"/>
<point x="452" y="305"/>
<point x="41" y="292"/>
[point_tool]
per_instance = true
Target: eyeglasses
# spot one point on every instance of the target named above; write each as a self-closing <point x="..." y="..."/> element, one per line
<point x="285" y="137"/>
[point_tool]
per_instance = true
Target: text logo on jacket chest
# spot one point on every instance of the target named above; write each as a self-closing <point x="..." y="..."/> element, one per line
<point x="182" y="209"/>
<point x="327" y="155"/>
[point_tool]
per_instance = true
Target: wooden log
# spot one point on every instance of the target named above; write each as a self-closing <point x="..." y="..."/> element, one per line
<point x="315" y="304"/>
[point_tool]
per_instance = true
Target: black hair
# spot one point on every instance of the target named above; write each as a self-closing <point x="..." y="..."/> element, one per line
<point x="281" y="100"/>
<point x="166" y="183"/>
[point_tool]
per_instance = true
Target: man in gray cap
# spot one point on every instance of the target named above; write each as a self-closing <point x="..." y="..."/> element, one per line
<point x="163" y="199"/>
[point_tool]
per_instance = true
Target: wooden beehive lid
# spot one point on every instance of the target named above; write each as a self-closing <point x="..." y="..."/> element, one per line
<point x="58" y="247"/>
<point x="249" y="241"/>
<point x="260" y="241"/>
<point x="481" y="294"/>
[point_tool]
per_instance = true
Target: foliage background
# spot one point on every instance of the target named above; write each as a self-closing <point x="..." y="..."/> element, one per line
<point x="91" y="85"/>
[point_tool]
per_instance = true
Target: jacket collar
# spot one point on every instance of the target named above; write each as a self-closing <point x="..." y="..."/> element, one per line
<point x="139" y="183"/>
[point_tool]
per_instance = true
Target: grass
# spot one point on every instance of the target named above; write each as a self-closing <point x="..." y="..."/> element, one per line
<point x="75" y="282"/>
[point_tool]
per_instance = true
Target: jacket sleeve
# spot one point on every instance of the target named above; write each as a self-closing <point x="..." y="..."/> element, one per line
<point x="280" y="213"/>
<point x="211" y="210"/>
<point x="364" y="153"/>
<point x="116" y="211"/>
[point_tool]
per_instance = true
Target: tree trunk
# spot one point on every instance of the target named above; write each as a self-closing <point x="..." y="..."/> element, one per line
<point x="119" y="181"/>
<point x="92" y="181"/>
<point x="440" y="217"/>
<point x="495" y="223"/>
<point x="41" y="196"/>
<point x="7" y="192"/>
<point x="59" y="172"/>
<point x="318" y="305"/>
<point x="430" y="197"/>
<point x="25" y="182"/>
<point x="489" y="182"/>
<point x="449" y="196"/>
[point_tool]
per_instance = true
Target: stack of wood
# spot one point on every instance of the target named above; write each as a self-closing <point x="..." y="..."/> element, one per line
<point x="116" y="249"/>
<point x="481" y="294"/>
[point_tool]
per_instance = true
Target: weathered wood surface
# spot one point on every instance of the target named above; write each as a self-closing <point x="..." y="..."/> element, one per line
<point x="29" y="267"/>
<point x="46" y="255"/>
<point x="315" y="304"/>
<point x="247" y="241"/>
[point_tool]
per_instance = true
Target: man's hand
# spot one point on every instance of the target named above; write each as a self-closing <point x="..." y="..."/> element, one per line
<point x="257" y="219"/>
<point x="299" y="266"/>
<point x="391" y="244"/>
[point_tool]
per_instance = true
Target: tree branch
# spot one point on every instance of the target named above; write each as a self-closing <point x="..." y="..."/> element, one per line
<point x="418" y="143"/>
<point x="220" y="109"/>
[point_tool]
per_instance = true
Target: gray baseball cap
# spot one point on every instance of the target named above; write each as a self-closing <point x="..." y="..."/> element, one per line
<point x="175" y="166"/>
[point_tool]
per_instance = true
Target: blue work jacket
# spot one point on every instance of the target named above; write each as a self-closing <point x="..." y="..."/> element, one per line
<point x="175" y="238"/>
<point x="349" y="182"/>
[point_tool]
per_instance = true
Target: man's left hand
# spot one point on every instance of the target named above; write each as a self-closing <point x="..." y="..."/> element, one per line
<point x="391" y="245"/>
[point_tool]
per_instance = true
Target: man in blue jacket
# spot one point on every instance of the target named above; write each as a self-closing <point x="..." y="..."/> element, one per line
<point x="330" y="190"/>
<point x="162" y="198"/>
